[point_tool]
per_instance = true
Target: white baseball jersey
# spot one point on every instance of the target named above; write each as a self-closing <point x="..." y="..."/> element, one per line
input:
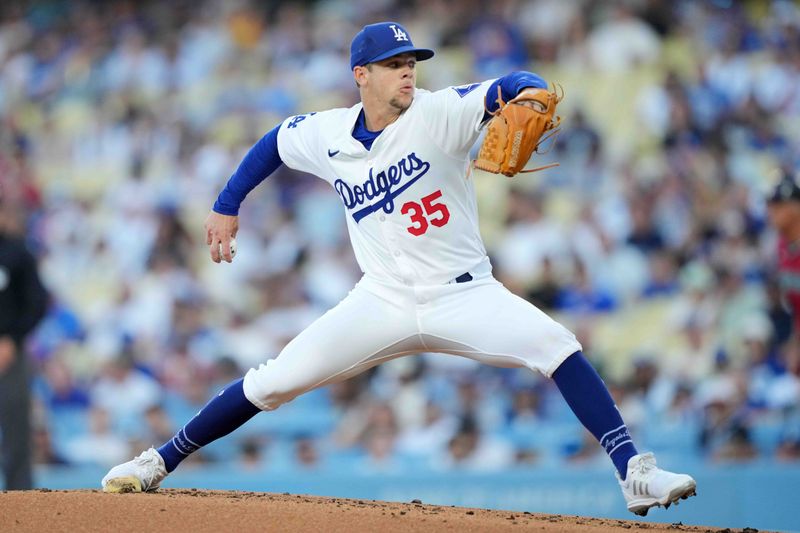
<point x="412" y="217"/>
<point x="411" y="209"/>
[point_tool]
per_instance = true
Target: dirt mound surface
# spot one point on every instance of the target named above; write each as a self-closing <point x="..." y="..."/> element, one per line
<point x="217" y="511"/>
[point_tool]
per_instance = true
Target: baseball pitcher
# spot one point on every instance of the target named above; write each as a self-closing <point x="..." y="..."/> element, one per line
<point x="399" y="161"/>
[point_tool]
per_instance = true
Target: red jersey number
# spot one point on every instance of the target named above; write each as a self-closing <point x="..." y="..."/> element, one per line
<point x="438" y="214"/>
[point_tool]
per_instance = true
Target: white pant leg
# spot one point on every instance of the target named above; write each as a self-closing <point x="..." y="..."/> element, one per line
<point x="484" y="321"/>
<point x="362" y="331"/>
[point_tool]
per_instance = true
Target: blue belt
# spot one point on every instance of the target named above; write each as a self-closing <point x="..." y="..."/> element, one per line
<point x="463" y="278"/>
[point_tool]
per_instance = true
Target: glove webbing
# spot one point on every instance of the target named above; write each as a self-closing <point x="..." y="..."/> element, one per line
<point x="555" y="130"/>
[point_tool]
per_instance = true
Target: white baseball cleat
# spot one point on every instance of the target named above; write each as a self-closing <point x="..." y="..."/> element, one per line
<point x="647" y="486"/>
<point x="142" y="474"/>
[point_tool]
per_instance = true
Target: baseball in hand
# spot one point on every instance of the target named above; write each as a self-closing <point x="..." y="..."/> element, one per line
<point x="233" y="248"/>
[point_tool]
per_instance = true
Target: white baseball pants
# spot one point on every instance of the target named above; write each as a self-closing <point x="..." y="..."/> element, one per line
<point x="376" y="322"/>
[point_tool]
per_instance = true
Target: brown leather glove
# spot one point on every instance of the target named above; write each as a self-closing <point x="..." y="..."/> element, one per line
<point x="517" y="129"/>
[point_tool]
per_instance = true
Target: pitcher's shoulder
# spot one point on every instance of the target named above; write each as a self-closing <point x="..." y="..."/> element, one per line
<point x="329" y="119"/>
<point x="452" y="94"/>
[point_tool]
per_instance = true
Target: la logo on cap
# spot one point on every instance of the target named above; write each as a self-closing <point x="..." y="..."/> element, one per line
<point x="399" y="34"/>
<point x="382" y="40"/>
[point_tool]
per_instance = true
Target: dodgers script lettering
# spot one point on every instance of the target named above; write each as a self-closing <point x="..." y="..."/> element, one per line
<point x="382" y="185"/>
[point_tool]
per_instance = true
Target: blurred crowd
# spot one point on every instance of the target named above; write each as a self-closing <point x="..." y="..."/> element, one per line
<point x="121" y="121"/>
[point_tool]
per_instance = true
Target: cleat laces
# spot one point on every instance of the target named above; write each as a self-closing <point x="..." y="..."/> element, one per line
<point x="646" y="463"/>
<point x="150" y="467"/>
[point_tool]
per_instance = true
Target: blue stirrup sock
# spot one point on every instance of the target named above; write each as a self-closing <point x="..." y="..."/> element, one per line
<point x="588" y="397"/>
<point x="225" y="412"/>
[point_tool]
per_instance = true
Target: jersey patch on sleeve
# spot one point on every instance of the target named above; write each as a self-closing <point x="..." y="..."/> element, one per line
<point x="464" y="90"/>
<point x="298" y="119"/>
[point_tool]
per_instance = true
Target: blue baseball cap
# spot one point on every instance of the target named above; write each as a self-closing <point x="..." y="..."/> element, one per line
<point x="376" y="42"/>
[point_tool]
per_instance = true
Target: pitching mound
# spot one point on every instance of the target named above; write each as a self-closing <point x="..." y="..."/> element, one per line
<point x="197" y="510"/>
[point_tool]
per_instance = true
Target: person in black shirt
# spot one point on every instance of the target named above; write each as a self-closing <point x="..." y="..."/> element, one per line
<point x="23" y="301"/>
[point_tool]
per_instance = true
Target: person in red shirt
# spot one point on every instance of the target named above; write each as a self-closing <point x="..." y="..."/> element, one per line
<point x="783" y="207"/>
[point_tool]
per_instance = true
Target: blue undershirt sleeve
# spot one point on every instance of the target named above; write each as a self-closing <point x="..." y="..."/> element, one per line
<point x="261" y="161"/>
<point x="510" y="86"/>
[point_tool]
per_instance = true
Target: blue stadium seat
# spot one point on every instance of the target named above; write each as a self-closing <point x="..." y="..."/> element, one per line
<point x="664" y="437"/>
<point x="766" y="435"/>
<point x="66" y="422"/>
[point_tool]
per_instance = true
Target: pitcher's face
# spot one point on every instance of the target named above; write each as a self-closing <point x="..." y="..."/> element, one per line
<point x="392" y="80"/>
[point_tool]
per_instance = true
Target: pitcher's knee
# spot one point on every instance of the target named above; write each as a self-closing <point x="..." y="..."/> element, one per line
<point x="267" y="390"/>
